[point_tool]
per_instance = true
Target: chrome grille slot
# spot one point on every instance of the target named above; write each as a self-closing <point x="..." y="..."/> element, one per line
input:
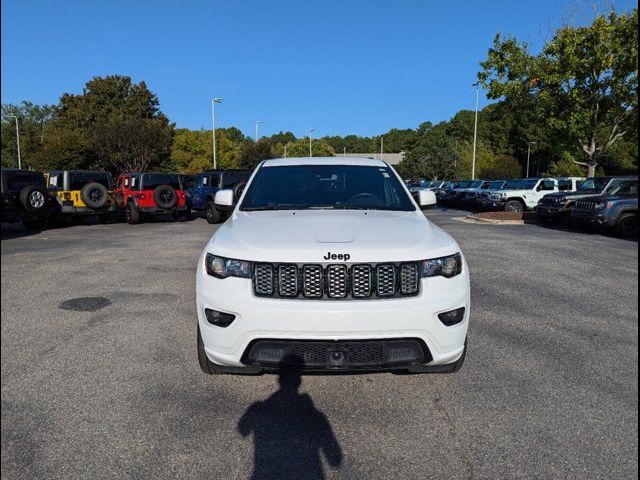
<point x="337" y="281"/>
<point x="263" y="279"/>
<point x="288" y="280"/>
<point x="385" y="280"/>
<point x="312" y="284"/>
<point x="361" y="281"/>
<point x="409" y="278"/>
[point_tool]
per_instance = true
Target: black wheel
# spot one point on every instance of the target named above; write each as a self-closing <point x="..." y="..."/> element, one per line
<point x="94" y="195"/>
<point x="627" y="225"/>
<point x="212" y="213"/>
<point x="33" y="198"/>
<point x="207" y="366"/>
<point x="33" y="223"/>
<point x="514" y="206"/>
<point x="165" y="196"/>
<point x="131" y="214"/>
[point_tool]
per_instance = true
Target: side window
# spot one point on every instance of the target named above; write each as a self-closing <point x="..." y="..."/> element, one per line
<point x="126" y="182"/>
<point x="132" y="182"/>
<point x="214" y="180"/>
<point x="546" y="185"/>
<point x="204" y="180"/>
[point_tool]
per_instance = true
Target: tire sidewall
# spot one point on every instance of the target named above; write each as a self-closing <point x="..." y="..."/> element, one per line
<point x="86" y="195"/>
<point x="28" y="193"/>
<point x="160" y="197"/>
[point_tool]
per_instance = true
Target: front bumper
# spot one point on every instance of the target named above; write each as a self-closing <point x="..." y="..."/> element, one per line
<point x="496" y="204"/>
<point x="551" y="211"/>
<point x="597" y="219"/>
<point x="330" y="320"/>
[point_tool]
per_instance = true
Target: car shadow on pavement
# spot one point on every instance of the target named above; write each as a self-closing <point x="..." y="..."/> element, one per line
<point x="289" y="434"/>
<point x="16" y="230"/>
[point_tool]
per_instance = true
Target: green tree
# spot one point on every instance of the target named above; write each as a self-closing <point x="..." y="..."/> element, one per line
<point x="504" y="167"/>
<point x="300" y="148"/>
<point x="566" y="166"/>
<point x="90" y="130"/>
<point x="33" y="120"/>
<point x="584" y="80"/>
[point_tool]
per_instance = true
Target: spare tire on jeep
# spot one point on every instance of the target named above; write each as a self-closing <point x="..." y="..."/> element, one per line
<point x="33" y="198"/>
<point x="165" y="196"/>
<point x="94" y="195"/>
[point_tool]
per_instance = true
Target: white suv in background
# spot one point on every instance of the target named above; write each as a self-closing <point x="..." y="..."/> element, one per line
<point x="522" y="194"/>
<point x="328" y="264"/>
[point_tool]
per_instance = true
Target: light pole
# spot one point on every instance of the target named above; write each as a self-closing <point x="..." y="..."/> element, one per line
<point x="258" y="122"/>
<point x="285" y="151"/>
<point x="529" y="155"/>
<point x="17" y="139"/>
<point x="475" y="133"/>
<point x="381" y="146"/>
<point x="310" y="132"/>
<point x="213" y="128"/>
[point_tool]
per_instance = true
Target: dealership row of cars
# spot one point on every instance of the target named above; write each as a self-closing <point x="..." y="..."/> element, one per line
<point x="38" y="198"/>
<point x="605" y="202"/>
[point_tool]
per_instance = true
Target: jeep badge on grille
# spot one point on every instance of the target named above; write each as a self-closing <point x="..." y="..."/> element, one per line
<point x="337" y="256"/>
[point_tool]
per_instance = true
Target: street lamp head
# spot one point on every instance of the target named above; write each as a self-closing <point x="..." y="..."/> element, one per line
<point x="217" y="100"/>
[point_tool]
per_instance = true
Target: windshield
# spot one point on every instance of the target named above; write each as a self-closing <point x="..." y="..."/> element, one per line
<point x="623" y="188"/>
<point x="496" y="185"/>
<point x="464" y="184"/>
<point x="593" y="184"/>
<point x="513" y="184"/>
<point x="151" y="181"/>
<point x="326" y="187"/>
<point x="476" y="184"/>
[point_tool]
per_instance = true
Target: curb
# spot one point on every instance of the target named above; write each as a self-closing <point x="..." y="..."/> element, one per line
<point x="494" y="222"/>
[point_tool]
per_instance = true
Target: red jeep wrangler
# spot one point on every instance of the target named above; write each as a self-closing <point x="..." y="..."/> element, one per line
<point x="140" y="194"/>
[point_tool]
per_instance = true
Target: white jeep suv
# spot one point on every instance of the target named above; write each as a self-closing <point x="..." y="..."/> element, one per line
<point x="328" y="264"/>
<point x="522" y="194"/>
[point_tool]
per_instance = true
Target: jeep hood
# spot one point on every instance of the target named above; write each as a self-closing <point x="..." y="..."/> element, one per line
<point x="304" y="236"/>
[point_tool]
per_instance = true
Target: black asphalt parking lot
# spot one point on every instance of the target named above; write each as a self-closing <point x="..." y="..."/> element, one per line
<point x="100" y="377"/>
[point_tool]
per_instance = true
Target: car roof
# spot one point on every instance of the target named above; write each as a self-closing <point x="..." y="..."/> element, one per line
<point x="18" y="170"/>
<point x="353" y="161"/>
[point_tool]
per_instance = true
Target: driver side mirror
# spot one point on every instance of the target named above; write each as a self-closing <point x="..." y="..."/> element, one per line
<point x="426" y="199"/>
<point x="224" y="199"/>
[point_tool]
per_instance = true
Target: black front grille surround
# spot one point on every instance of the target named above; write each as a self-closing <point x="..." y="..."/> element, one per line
<point x="336" y="281"/>
<point x="367" y="354"/>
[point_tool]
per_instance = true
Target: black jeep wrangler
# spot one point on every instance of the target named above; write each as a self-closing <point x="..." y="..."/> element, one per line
<point x="25" y="197"/>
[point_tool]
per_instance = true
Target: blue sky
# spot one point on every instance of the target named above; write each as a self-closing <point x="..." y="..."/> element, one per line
<point x="338" y="67"/>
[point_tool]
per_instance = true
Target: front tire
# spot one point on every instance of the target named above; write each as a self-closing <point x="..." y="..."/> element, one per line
<point x="212" y="214"/>
<point x="205" y="364"/>
<point x="132" y="216"/>
<point x="627" y="225"/>
<point x="514" y="206"/>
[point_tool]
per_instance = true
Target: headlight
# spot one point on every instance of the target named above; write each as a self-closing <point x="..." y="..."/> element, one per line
<point x="561" y="199"/>
<point x="221" y="267"/>
<point x="602" y="205"/>
<point x="444" y="266"/>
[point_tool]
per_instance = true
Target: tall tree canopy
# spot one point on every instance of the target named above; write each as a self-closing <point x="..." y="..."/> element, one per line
<point x="583" y="84"/>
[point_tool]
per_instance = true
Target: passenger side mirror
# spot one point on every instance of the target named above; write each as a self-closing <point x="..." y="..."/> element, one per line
<point x="224" y="199"/>
<point x="426" y="199"/>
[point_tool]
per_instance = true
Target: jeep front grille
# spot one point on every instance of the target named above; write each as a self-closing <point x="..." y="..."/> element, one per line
<point x="337" y="281"/>
<point x="586" y="205"/>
